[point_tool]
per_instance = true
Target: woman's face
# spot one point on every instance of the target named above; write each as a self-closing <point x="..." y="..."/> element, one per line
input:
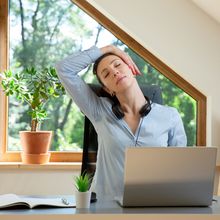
<point x="114" y="73"/>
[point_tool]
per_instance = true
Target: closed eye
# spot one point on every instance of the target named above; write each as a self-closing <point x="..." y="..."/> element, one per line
<point x="106" y="75"/>
<point x="118" y="65"/>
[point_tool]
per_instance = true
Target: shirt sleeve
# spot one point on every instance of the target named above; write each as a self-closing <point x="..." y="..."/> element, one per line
<point x="177" y="135"/>
<point x="67" y="70"/>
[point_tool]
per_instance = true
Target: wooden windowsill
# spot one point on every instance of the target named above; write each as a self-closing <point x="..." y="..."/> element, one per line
<point x="47" y="166"/>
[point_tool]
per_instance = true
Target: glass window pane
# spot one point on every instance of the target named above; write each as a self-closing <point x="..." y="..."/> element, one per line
<point x="42" y="32"/>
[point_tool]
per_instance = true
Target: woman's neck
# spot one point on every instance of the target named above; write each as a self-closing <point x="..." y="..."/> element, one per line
<point x="131" y="100"/>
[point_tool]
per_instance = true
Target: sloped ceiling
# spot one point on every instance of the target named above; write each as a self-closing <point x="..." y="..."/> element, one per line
<point x="210" y="7"/>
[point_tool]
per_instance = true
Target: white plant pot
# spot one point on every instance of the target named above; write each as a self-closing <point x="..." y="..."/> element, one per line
<point x="82" y="199"/>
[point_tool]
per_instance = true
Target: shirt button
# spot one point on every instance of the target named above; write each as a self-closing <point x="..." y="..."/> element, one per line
<point x="93" y="51"/>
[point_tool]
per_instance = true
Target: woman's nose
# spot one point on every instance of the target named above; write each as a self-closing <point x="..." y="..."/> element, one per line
<point x="116" y="73"/>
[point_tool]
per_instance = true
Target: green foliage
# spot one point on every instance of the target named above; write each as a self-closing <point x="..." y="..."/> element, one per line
<point x="65" y="144"/>
<point x="16" y="144"/>
<point x="34" y="87"/>
<point x="83" y="182"/>
<point x="52" y="30"/>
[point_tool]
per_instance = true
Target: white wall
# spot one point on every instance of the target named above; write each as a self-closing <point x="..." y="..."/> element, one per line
<point x="37" y="182"/>
<point x="183" y="37"/>
<point x="48" y="182"/>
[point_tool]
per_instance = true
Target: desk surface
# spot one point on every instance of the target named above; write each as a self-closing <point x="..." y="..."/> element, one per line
<point x="107" y="208"/>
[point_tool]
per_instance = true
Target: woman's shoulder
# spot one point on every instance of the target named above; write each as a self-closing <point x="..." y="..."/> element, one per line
<point x="163" y="112"/>
<point x="164" y="108"/>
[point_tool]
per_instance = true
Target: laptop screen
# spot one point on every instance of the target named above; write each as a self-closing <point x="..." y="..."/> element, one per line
<point x="169" y="176"/>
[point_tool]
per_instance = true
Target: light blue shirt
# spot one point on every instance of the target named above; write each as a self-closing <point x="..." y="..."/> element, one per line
<point x="161" y="127"/>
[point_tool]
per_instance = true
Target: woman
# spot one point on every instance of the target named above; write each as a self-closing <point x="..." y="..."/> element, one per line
<point x="160" y="125"/>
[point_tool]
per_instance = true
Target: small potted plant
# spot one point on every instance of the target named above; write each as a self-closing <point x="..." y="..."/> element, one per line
<point x="82" y="195"/>
<point x="34" y="87"/>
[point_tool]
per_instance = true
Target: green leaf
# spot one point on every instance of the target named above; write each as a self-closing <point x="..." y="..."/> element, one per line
<point x="83" y="182"/>
<point x="42" y="115"/>
<point x="36" y="84"/>
<point x="44" y="95"/>
<point x="36" y="94"/>
<point x="31" y="112"/>
<point x="17" y="76"/>
<point x="32" y="69"/>
<point x="56" y="93"/>
<point x="27" y="70"/>
<point x="3" y="84"/>
<point x="35" y="103"/>
<point x="9" y="73"/>
<point x="26" y="95"/>
<point x="5" y="73"/>
<point x="34" y="117"/>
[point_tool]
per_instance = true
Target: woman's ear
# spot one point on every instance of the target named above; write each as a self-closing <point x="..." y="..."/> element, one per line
<point x="109" y="91"/>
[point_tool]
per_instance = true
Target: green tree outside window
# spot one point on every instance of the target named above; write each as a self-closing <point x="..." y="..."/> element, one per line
<point x="44" y="31"/>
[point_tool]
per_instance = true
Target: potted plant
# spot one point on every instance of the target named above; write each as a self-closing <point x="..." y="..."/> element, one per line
<point x="36" y="88"/>
<point x="82" y="195"/>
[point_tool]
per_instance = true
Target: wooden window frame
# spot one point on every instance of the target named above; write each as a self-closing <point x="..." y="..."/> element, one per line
<point x="6" y="156"/>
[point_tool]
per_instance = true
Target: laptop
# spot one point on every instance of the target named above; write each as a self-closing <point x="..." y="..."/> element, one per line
<point x="168" y="176"/>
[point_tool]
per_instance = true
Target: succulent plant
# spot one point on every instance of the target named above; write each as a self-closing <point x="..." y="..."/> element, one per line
<point x="34" y="87"/>
<point x="83" y="182"/>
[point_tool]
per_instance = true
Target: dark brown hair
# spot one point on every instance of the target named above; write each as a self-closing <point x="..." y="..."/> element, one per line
<point x="102" y="93"/>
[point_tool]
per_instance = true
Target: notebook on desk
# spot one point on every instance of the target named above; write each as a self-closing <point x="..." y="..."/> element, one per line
<point x="168" y="176"/>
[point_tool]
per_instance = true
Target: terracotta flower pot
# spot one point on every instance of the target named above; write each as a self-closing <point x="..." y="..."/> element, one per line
<point x="35" y="146"/>
<point x="35" y="158"/>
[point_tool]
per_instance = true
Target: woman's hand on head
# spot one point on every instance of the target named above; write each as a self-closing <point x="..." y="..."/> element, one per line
<point x="127" y="59"/>
<point x="124" y="56"/>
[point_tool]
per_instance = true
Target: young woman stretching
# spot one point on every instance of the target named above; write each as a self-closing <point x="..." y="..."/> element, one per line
<point x="133" y="120"/>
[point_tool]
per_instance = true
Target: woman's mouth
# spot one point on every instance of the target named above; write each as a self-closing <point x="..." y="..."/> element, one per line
<point x="120" y="80"/>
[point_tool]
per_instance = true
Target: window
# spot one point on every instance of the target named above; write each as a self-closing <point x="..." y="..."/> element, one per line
<point x="67" y="10"/>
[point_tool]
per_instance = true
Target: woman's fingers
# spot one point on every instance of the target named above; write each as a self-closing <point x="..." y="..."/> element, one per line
<point x="137" y="70"/>
<point x="127" y="59"/>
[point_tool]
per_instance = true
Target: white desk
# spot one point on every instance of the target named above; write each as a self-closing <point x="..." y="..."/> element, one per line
<point x="107" y="209"/>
